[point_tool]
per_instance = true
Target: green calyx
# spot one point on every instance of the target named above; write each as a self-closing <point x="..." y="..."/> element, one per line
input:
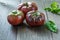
<point x="26" y="4"/>
<point x="36" y="13"/>
<point x="16" y="12"/>
<point x="51" y="26"/>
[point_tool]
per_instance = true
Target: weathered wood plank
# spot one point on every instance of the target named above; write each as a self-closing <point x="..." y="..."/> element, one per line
<point x="7" y="32"/>
<point x="40" y="33"/>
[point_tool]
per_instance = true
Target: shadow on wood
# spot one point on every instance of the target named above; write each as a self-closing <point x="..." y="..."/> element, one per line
<point x="36" y="30"/>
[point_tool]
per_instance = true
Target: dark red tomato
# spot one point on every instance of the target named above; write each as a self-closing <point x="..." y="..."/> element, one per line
<point x="26" y="7"/>
<point x="35" y="18"/>
<point x="15" y="17"/>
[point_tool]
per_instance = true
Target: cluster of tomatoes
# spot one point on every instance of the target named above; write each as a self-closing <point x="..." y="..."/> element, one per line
<point x="28" y="11"/>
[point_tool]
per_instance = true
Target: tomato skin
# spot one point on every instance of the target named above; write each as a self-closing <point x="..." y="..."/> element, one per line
<point x="37" y="21"/>
<point x="15" y="19"/>
<point x="26" y="7"/>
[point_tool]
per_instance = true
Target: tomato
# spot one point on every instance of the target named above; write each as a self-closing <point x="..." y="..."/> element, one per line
<point x="16" y="17"/>
<point x="26" y="7"/>
<point x="35" y="18"/>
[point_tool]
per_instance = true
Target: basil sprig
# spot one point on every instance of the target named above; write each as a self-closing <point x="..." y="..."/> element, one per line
<point x="54" y="8"/>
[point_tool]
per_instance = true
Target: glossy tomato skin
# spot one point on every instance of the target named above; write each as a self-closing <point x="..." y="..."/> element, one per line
<point x="34" y="20"/>
<point x="15" y="19"/>
<point x="26" y="7"/>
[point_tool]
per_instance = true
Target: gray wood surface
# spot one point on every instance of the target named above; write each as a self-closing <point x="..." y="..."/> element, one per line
<point x="23" y="32"/>
<point x="7" y="32"/>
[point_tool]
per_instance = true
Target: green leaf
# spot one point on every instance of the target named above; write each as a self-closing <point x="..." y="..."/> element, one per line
<point x="58" y="10"/>
<point x="54" y="5"/>
<point x="55" y="11"/>
<point x="47" y="9"/>
<point x="51" y="26"/>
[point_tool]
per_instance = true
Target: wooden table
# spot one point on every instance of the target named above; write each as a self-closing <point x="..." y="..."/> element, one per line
<point x="7" y="32"/>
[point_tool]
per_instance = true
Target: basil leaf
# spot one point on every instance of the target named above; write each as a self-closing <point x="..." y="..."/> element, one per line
<point x="54" y="5"/>
<point x="47" y="9"/>
<point x="51" y="26"/>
